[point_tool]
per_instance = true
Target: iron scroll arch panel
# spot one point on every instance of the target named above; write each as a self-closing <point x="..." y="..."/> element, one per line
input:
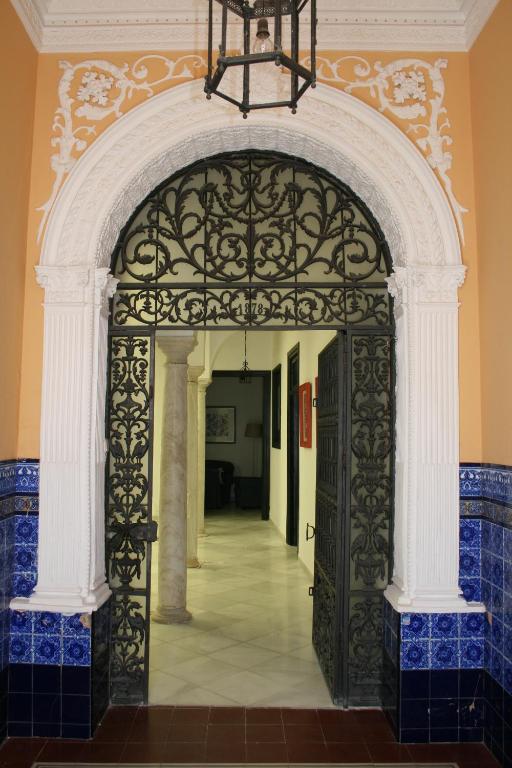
<point x="246" y="240"/>
<point x="252" y="239"/>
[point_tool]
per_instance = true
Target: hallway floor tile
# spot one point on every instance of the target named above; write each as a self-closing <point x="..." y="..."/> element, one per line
<point x="249" y="642"/>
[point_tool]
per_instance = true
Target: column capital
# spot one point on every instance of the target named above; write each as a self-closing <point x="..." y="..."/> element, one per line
<point x="76" y="284"/>
<point x="203" y="384"/>
<point x="176" y="345"/>
<point x="194" y="372"/>
<point x="424" y="284"/>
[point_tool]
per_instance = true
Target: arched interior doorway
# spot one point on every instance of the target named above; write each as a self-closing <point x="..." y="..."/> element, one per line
<point x="353" y="142"/>
<point x="261" y="240"/>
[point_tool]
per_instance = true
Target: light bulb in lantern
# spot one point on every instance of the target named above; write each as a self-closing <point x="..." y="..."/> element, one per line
<point x="263" y="42"/>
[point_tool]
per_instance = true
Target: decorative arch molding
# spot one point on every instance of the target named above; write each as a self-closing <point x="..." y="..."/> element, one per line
<point x="350" y="140"/>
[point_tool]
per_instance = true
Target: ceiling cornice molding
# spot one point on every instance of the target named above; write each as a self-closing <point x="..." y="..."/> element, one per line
<point x="29" y="15"/>
<point x="477" y="16"/>
<point x="57" y="26"/>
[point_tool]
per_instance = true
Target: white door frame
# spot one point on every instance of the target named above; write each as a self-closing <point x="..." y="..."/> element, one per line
<point x="361" y="147"/>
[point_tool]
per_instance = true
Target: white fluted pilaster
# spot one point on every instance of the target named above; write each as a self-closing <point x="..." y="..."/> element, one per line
<point x="71" y="559"/>
<point x="426" y="545"/>
<point x="172" y="538"/>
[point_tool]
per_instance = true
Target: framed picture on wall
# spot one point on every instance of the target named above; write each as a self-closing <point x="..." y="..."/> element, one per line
<point x="305" y="414"/>
<point x="276" y="407"/>
<point x="220" y="424"/>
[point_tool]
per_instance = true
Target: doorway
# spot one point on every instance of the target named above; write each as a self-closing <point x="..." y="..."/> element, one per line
<point x="296" y="249"/>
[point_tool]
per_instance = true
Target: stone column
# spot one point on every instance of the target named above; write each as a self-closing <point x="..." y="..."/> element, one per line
<point x="203" y="385"/>
<point x="172" y="549"/>
<point x="426" y="532"/>
<point x="194" y="371"/>
<point x="71" y="556"/>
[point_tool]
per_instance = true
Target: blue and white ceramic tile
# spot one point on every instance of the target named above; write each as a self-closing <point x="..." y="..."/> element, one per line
<point x="470" y="482"/>
<point x="415" y="654"/>
<point x="497" y="634"/>
<point x="444" y="654"/>
<point x="77" y="651"/>
<point x="507" y="576"/>
<point x="27" y="504"/>
<point x="73" y="626"/>
<point x="25" y="559"/>
<point x="22" y="622"/>
<point x="471" y="589"/>
<point x="497" y="484"/>
<point x="472" y="625"/>
<point x="471" y="654"/>
<point x="26" y="528"/>
<point x="507" y="544"/>
<point x="46" y="623"/>
<point x="27" y="477"/>
<point x="415" y="626"/>
<point x="497" y="540"/>
<point x="20" y="650"/>
<point x="497" y="571"/>
<point x="470" y="534"/>
<point x="444" y="625"/>
<point x="469" y="563"/>
<point x="7" y="478"/>
<point x="47" y="649"/>
<point x="23" y="584"/>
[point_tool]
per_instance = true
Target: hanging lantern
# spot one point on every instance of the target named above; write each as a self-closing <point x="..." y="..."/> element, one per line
<point x="271" y="33"/>
<point x="245" y="371"/>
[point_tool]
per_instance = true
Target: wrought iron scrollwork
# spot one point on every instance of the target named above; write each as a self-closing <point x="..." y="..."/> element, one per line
<point x="370" y="472"/>
<point x="252" y="239"/>
<point x="129" y="512"/>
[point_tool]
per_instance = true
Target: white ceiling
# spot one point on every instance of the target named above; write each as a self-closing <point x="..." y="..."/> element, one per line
<point x="123" y="25"/>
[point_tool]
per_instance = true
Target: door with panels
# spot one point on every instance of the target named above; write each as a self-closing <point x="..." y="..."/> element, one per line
<point x="354" y="494"/>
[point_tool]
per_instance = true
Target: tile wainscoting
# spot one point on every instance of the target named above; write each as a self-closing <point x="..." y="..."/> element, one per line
<point x="448" y="677"/>
<point x="53" y="668"/>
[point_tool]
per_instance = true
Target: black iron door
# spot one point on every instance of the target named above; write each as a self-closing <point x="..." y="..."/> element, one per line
<point x="353" y="512"/>
<point x="292" y="456"/>
<point x="327" y="602"/>
<point x="129" y="529"/>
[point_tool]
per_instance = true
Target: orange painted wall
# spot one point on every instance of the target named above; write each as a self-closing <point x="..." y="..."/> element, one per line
<point x="492" y="121"/>
<point x="18" y="64"/>
<point x="457" y="103"/>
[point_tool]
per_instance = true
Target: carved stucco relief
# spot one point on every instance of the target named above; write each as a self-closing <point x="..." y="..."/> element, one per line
<point x="94" y="92"/>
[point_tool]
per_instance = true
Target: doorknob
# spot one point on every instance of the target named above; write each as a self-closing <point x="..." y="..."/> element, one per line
<point x="308" y="527"/>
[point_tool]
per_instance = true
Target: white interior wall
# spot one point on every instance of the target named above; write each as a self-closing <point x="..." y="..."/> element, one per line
<point x="311" y="344"/>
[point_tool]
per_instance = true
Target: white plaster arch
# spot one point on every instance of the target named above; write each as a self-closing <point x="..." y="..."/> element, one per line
<point x="332" y="129"/>
<point x="358" y="145"/>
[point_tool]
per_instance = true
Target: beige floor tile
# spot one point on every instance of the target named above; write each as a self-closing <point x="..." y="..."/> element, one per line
<point x="250" y="638"/>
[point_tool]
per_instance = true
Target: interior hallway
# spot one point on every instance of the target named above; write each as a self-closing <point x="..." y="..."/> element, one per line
<point x="249" y="642"/>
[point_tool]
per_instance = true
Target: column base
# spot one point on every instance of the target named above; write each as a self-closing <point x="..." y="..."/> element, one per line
<point x="58" y="602"/>
<point x="164" y="615"/>
<point x="429" y="603"/>
<point x="193" y="562"/>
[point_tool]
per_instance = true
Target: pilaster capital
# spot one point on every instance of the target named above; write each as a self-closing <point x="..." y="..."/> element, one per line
<point x="105" y="285"/>
<point x="194" y="372"/>
<point x="76" y="284"/>
<point x="63" y="285"/>
<point x="203" y="385"/>
<point x="176" y="345"/>
<point x="426" y="284"/>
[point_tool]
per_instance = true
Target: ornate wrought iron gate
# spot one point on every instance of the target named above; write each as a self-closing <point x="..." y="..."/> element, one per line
<point x="129" y="526"/>
<point x="246" y="240"/>
<point x="353" y="512"/>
